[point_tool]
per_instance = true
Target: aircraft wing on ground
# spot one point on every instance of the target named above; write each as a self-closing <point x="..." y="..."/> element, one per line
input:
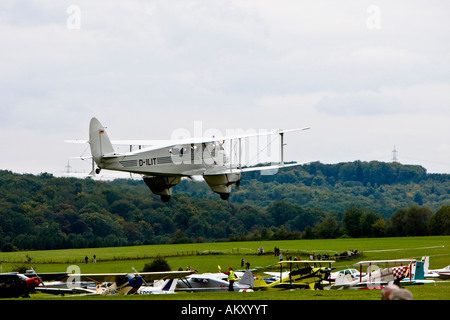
<point x="119" y="278"/>
<point x="113" y="283"/>
<point x="55" y="276"/>
<point x="162" y="275"/>
<point x="63" y="291"/>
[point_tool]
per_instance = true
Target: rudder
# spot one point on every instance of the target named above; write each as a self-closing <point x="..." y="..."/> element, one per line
<point x="259" y="283"/>
<point x="247" y="279"/>
<point x="99" y="141"/>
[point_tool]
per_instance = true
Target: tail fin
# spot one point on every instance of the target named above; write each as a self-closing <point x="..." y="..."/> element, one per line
<point x="247" y="279"/>
<point x="259" y="283"/>
<point x="160" y="287"/>
<point x="343" y="279"/>
<point x="99" y="141"/>
<point x="419" y="271"/>
<point x="426" y="263"/>
<point x="169" y="286"/>
<point x="165" y="286"/>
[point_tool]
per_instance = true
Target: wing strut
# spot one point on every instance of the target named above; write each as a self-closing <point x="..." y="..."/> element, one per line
<point x="282" y="148"/>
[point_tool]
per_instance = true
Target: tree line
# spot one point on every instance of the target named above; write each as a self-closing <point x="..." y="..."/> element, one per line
<point x="356" y="199"/>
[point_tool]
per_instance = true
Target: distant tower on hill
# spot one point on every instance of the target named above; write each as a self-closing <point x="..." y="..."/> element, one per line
<point x="394" y="155"/>
<point x="68" y="167"/>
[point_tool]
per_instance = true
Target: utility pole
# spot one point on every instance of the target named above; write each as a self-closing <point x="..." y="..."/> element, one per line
<point x="394" y="155"/>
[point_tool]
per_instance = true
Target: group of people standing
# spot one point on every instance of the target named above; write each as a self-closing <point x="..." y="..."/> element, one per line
<point x="94" y="260"/>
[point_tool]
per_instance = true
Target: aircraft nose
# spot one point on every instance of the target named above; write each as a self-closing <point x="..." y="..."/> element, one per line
<point x="135" y="281"/>
<point x="32" y="282"/>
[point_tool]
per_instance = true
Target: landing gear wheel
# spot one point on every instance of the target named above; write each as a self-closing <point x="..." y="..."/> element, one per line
<point x="165" y="198"/>
<point x="97" y="171"/>
<point x="224" y="196"/>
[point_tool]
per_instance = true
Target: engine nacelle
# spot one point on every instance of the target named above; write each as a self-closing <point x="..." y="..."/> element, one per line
<point x="221" y="183"/>
<point x="162" y="185"/>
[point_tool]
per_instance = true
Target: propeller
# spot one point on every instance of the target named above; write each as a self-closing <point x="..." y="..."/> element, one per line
<point x="137" y="273"/>
<point x="39" y="278"/>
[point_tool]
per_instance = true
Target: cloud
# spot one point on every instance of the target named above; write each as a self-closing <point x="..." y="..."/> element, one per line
<point x="407" y="100"/>
<point x="147" y="68"/>
<point x="357" y="103"/>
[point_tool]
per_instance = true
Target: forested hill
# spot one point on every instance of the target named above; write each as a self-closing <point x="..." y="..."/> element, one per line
<point x="379" y="186"/>
<point x="356" y="199"/>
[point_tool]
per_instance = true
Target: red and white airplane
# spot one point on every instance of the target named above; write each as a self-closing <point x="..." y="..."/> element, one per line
<point x="375" y="277"/>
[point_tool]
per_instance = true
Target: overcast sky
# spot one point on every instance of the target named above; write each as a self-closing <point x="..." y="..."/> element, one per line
<point x="364" y="75"/>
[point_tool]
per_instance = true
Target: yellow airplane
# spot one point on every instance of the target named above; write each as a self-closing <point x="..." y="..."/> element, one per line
<point x="301" y="274"/>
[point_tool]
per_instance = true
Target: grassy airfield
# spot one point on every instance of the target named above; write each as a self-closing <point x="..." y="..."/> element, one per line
<point x="205" y="257"/>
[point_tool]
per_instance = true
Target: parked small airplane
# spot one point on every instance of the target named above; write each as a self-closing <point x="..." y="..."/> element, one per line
<point x="307" y="274"/>
<point x="443" y="273"/>
<point x="15" y="285"/>
<point x="354" y="274"/>
<point x="164" y="163"/>
<point x="116" y="283"/>
<point x="375" y="277"/>
<point x="215" y="282"/>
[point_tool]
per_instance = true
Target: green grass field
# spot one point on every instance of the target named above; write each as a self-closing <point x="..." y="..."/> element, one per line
<point x="205" y="257"/>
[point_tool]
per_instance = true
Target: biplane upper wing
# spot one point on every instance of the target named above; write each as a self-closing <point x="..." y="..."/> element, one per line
<point x="304" y="262"/>
<point x="233" y="137"/>
<point x="126" y="142"/>
<point x="155" y="144"/>
<point x="394" y="262"/>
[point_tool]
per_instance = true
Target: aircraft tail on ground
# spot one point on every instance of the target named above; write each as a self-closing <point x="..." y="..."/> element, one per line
<point x="247" y="279"/>
<point x="259" y="283"/>
<point x="99" y="141"/>
<point x="167" y="286"/>
<point x="160" y="287"/>
<point x="419" y="272"/>
<point x="426" y="263"/>
<point x="343" y="279"/>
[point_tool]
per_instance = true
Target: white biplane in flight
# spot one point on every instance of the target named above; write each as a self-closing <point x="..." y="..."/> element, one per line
<point x="164" y="162"/>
